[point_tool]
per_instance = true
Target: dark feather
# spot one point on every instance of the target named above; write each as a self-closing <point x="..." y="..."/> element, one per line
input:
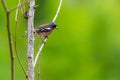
<point x="46" y="29"/>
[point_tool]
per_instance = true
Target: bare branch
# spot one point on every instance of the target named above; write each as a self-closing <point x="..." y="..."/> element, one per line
<point x="9" y="38"/>
<point x="16" y="15"/>
<point x="5" y="6"/>
<point x="31" y="40"/>
<point x="23" y="4"/>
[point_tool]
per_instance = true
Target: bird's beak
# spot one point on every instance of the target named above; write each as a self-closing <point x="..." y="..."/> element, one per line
<point x="57" y="28"/>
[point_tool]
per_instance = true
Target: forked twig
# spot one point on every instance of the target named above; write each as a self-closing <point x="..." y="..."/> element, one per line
<point x="9" y="38"/>
<point x="24" y="3"/>
<point x="44" y="41"/>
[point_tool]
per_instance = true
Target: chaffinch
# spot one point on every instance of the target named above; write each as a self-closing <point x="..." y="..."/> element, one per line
<point x="45" y="29"/>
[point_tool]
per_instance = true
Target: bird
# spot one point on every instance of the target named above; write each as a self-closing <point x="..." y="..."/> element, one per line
<point x="45" y="30"/>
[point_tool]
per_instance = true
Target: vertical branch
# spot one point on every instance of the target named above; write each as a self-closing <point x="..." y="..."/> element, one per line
<point x="9" y="38"/>
<point x="10" y="45"/>
<point x="31" y="40"/>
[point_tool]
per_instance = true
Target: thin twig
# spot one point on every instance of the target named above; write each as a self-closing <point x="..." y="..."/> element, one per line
<point x="16" y="15"/>
<point x="38" y="71"/>
<point x="9" y="38"/>
<point x="40" y="49"/>
<point x="42" y="45"/>
<point x="15" y="43"/>
<point x="23" y="4"/>
<point x="5" y="6"/>
<point x="58" y="10"/>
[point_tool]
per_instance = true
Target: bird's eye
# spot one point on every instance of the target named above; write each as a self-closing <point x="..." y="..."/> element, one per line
<point x="53" y="24"/>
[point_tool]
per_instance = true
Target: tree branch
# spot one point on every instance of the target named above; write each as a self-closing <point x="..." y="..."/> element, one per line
<point x="5" y="6"/>
<point x="9" y="38"/>
<point x="24" y="3"/>
<point x="31" y="40"/>
<point x="58" y="10"/>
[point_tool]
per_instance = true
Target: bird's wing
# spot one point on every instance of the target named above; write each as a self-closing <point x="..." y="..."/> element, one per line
<point x="45" y="29"/>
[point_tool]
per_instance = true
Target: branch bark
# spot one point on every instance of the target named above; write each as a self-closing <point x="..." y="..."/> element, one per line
<point x="9" y="38"/>
<point x="31" y="40"/>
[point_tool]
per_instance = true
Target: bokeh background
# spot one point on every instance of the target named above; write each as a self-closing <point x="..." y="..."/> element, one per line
<point x="85" y="47"/>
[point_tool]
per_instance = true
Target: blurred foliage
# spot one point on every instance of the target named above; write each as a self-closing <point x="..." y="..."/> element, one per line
<point x="85" y="47"/>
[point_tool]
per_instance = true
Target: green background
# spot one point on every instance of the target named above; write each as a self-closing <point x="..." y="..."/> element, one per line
<point x="85" y="47"/>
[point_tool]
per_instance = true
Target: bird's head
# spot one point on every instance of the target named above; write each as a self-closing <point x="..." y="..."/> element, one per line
<point x="53" y="25"/>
